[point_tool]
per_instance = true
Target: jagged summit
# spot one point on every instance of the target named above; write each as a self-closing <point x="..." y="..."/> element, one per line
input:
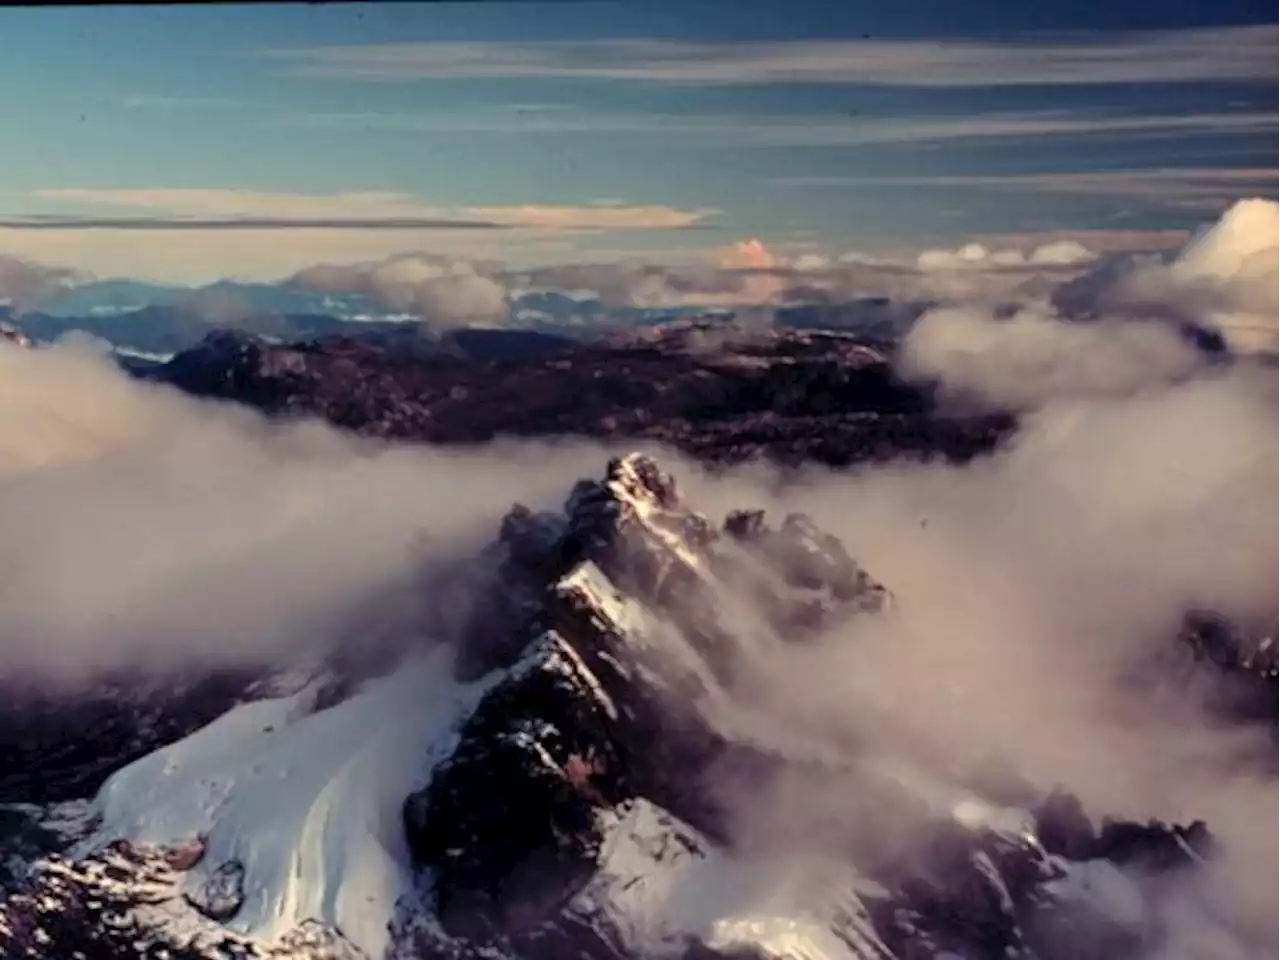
<point x="558" y="777"/>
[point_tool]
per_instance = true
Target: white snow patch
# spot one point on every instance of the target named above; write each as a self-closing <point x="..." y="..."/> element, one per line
<point x="1011" y="821"/>
<point x="143" y="354"/>
<point x="948" y="800"/>
<point x="1100" y="885"/>
<point x="661" y="883"/>
<point x="310" y="804"/>
<point x="628" y="488"/>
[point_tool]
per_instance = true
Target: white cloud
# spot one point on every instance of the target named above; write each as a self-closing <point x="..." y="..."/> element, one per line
<point x="437" y="289"/>
<point x="1102" y="241"/>
<point x="366" y="206"/>
<point x="1226" y="278"/>
<point x="254" y="235"/>
<point x="1179" y="187"/>
<point x="1218" y="54"/>
<point x="751" y="273"/>
<point x="447" y="293"/>
<point x="23" y="280"/>
<point x="203" y="256"/>
<point x="593" y="216"/>
<point x="800" y="130"/>
<point x="240" y="203"/>
<point x="746" y="273"/>
<point x="976" y="256"/>
<point x="1126" y="337"/>
<point x="1044" y="580"/>
<point x="1034" y="356"/>
<point x="144" y="526"/>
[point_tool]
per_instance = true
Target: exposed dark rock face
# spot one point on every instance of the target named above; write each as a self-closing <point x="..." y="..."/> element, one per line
<point x="791" y="396"/>
<point x="219" y="893"/>
<point x="62" y="743"/>
<point x="1244" y="661"/>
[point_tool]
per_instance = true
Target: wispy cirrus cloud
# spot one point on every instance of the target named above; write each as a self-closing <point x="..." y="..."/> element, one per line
<point x="198" y="256"/>
<point x="1199" y="55"/>
<point x="160" y="102"/>
<point x="364" y="210"/>
<point x="199" y="235"/>
<point x="1183" y="187"/>
<point x="792" y="130"/>
<point x="188" y="224"/>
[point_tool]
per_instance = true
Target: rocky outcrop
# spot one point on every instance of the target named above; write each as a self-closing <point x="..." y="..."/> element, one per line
<point x="127" y="902"/>
<point x="218" y="893"/>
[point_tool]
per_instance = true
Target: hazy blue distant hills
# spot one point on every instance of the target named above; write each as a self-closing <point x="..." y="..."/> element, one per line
<point x="167" y="329"/>
<point x="158" y="320"/>
<point x="225" y="297"/>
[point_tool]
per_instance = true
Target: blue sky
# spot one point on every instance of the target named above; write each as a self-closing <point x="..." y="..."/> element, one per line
<point x="598" y="130"/>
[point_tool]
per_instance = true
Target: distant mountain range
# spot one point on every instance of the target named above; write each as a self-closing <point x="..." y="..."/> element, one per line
<point x="117" y="296"/>
<point x="233" y="299"/>
<point x="153" y="320"/>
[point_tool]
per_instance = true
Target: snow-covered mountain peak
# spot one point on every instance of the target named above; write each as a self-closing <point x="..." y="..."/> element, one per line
<point x="550" y="779"/>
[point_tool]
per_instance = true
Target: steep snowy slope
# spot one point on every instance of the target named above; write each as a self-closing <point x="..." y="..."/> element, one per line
<point x="306" y="803"/>
<point x="557" y="778"/>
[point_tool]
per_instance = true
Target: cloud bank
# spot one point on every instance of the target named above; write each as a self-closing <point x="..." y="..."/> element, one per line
<point x="1038" y="592"/>
<point x="1219" y="54"/>
<point x="360" y="210"/>
<point x="22" y="281"/>
<point x="1170" y="188"/>
<point x="790" y="129"/>
<point x="1020" y="362"/>
<point x="141" y="526"/>
<point x="437" y="289"/>
<point x="1225" y="278"/>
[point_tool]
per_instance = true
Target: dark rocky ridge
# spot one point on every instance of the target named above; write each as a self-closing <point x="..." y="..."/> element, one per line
<point x="50" y="753"/>
<point x="720" y="396"/>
